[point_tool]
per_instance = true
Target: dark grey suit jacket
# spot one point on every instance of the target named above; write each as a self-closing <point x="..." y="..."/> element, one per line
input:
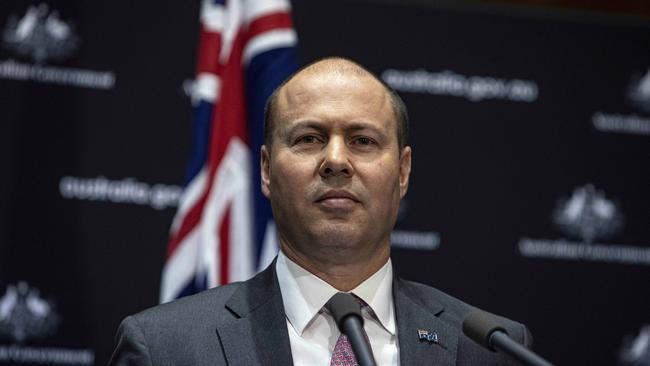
<point x="244" y="324"/>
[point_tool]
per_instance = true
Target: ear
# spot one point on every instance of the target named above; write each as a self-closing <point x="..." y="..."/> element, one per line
<point x="404" y="170"/>
<point x="265" y="167"/>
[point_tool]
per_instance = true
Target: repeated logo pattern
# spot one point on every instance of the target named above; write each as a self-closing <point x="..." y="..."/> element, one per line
<point x="638" y="93"/>
<point x="25" y="315"/>
<point x="41" y="35"/>
<point x="588" y="215"/>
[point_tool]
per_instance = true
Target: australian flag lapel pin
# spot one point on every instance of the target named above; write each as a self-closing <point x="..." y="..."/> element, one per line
<point x="427" y="335"/>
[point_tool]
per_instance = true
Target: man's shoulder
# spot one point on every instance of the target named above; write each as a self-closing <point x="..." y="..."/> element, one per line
<point x="435" y="299"/>
<point x="152" y="336"/>
<point x="426" y="294"/>
<point x="454" y="310"/>
<point x="189" y="308"/>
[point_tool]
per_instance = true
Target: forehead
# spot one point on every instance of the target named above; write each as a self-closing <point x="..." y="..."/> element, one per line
<point x="334" y="96"/>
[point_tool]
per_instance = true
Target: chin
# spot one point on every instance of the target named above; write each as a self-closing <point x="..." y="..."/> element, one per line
<point x="339" y="236"/>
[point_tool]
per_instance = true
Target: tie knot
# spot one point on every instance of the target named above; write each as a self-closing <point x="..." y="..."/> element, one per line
<point x="359" y="301"/>
<point x="343" y="304"/>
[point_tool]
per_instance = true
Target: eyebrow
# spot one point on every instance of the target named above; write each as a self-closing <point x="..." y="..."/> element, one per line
<point x="353" y="126"/>
<point x="358" y="126"/>
<point x="305" y="125"/>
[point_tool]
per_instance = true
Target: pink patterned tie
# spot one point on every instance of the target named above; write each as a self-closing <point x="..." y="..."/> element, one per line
<point x="343" y="355"/>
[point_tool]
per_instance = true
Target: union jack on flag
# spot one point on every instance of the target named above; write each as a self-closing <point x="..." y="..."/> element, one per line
<point x="223" y="230"/>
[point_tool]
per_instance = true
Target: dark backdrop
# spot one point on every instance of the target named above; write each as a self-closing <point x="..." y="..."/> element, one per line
<point x="531" y="138"/>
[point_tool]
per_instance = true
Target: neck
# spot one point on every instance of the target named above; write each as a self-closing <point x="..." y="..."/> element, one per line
<point x="342" y="270"/>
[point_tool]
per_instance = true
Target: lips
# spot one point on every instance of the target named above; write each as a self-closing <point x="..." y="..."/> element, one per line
<point x="338" y="199"/>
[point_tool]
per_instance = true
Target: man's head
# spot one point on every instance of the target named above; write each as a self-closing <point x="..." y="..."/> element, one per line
<point x="338" y="64"/>
<point x="335" y="167"/>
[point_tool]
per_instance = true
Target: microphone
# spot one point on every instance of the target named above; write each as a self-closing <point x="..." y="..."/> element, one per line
<point x="486" y="331"/>
<point x="347" y="314"/>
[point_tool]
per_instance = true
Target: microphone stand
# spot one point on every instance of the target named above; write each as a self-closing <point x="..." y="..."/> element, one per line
<point x="347" y="314"/>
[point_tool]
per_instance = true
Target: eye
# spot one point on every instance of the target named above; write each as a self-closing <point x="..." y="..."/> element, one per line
<point x="307" y="139"/>
<point x="363" y="141"/>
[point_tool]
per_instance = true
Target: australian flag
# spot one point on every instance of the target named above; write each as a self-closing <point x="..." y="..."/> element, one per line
<point x="223" y="230"/>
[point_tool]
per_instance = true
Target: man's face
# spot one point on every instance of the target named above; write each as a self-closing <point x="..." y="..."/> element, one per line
<point x="334" y="173"/>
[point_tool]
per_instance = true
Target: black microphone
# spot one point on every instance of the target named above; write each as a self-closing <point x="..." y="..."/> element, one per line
<point x="347" y="314"/>
<point x="486" y="331"/>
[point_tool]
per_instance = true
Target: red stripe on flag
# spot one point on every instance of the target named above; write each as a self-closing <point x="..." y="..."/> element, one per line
<point x="193" y="215"/>
<point x="269" y="22"/>
<point x="224" y="247"/>
<point x="229" y="119"/>
<point x="190" y="220"/>
<point x="209" y="49"/>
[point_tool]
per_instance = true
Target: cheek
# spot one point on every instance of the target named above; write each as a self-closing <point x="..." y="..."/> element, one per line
<point x="383" y="183"/>
<point x="290" y="177"/>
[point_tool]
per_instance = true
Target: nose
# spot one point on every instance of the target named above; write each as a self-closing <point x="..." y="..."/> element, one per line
<point x="336" y="161"/>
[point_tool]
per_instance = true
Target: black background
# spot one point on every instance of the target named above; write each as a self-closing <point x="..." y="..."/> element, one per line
<point x="485" y="174"/>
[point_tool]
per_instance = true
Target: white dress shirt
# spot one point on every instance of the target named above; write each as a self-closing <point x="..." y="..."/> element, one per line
<point x="312" y="330"/>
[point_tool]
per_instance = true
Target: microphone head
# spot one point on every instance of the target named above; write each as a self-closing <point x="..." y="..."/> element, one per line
<point x="479" y="326"/>
<point x="343" y="305"/>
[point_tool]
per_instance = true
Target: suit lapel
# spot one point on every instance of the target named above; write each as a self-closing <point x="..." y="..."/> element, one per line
<point x="257" y="333"/>
<point x="412" y="313"/>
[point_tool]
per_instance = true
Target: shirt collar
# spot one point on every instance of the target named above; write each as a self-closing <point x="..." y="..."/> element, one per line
<point x="377" y="292"/>
<point x="304" y="294"/>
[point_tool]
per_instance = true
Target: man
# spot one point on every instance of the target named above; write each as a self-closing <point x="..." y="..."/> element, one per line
<point x="335" y="165"/>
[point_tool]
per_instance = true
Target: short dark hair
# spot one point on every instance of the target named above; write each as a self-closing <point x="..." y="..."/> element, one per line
<point x="399" y="108"/>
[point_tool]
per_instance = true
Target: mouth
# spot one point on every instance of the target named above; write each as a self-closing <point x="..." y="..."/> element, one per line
<point x="338" y="199"/>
